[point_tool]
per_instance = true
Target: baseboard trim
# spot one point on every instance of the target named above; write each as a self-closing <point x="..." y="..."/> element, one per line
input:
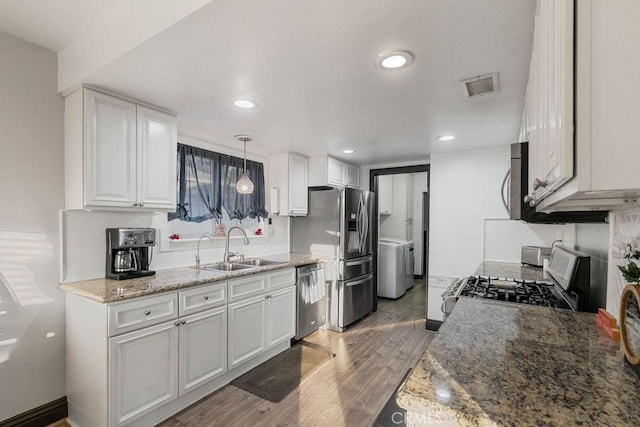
<point x="43" y="415"/>
<point x="433" y="325"/>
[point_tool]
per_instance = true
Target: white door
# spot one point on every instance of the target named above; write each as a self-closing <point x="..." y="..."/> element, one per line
<point x="157" y="152"/>
<point x="298" y="184"/>
<point x="246" y="329"/>
<point x="203" y="348"/>
<point x="335" y="171"/>
<point x="282" y="316"/>
<point x="110" y="152"/>
<point x="143" y="371"/>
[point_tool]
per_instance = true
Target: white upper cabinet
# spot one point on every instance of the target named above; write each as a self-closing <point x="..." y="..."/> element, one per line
<point x="329" y="171"/>
<point x="288" y="179"/>
<point x="336" y="171"/>
<point x="548" y="113"/>
<point x="118" y="154"/>
<point x="110" y="150"/>
<point x="601" y="70"/>
<point x="385" y="194"/>
<point x="156" y="154"/>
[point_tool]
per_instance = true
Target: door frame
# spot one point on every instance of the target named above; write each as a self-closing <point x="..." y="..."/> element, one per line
<point x="373" y="186"/>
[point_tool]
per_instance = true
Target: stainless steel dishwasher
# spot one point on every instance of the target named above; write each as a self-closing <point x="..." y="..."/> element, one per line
<point x="312" y="299"/>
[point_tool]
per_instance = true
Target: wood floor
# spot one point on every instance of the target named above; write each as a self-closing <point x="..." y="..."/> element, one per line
<point x="372" y="357"/>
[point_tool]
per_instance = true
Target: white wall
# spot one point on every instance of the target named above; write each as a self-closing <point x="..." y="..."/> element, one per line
<point x="624" y="226"/>
<point x="32" y="188"/>
<point x="464" y="189"/>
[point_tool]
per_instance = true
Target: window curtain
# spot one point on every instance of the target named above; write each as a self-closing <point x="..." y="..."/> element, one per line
<point x="207" y="185"/>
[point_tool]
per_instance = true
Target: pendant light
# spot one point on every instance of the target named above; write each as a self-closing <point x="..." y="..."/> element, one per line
<point x="244" y="184"/>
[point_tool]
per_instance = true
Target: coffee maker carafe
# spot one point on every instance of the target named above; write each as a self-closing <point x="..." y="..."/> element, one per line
<point x="129" y="252"/>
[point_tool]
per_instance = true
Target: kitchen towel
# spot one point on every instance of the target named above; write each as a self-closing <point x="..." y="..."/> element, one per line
<point x="316" y="287"/>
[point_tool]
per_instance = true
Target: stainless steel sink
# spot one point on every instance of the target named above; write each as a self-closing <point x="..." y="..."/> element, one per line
<point x="257" y="262"/>
<point x="224" y="266"/>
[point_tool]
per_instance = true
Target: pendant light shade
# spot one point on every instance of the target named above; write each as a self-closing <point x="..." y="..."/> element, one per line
<point x="244" y="184"/>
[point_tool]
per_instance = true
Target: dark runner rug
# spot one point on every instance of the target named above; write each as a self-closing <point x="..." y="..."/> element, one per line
<point x="279" y="376"/>
<point x="392" y="414"/>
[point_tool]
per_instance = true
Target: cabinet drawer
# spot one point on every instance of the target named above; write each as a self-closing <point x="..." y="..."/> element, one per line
<point x="247" y="286"/>
<point x="202" y="298"/>
<point x="132" y="315"/>
<point x="281" y="278"/>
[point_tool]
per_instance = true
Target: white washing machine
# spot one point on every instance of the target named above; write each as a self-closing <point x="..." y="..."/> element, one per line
<point x="407" y="258"/>
<point x="391" y="269"/>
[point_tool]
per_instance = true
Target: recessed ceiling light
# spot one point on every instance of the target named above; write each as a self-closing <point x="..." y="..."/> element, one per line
<point x="348" y="151"/>
<point x="395" y="59"/>
<point x="244" y="103"/>
<point x="446" y="138"/>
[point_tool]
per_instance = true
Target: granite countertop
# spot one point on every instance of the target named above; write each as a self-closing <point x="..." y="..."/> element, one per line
<point x="508" y="364"/>
<point x="108" y="290"/>
<point x="510" y="270"/>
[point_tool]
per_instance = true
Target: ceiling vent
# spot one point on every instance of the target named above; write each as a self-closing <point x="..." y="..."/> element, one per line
<point x="481" y="85"/>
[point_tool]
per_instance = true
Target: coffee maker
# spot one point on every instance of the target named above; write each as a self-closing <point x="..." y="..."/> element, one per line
<point x="129" y="252"/>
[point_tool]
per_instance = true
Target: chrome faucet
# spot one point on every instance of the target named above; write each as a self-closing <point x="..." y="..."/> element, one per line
<point x="205" y="235"/>
<point x="227" y="254"/>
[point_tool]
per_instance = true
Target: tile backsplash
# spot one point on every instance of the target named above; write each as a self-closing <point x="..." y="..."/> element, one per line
<point x="83" y="242"/>
<point x="624" y="225"/>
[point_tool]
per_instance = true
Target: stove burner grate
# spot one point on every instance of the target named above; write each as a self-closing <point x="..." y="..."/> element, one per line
<point x="523" y="292"/>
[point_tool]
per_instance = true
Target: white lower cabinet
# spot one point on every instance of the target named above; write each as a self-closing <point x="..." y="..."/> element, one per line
<point x="203" y="348"/>
<point x="281" y="306"/>
<point x="259" y="323"/>
<point x="143" y="371"/>
<point x="246" y="329"/>
<point x="125" y="368"/>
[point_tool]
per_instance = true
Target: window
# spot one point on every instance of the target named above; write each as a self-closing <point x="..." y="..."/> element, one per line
<point x="207" y="196"/>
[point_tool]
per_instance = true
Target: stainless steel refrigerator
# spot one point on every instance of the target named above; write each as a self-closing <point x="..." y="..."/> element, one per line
<point x="339" y="226"/>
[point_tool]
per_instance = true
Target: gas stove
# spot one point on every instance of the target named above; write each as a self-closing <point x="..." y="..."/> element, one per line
<point x="513" y="290"/>
<point x="533" y="292"/>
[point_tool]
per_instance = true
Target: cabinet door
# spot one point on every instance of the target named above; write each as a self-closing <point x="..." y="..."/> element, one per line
<point x="246" y="329"/>
<point x="550" y="99"/>
<point x="385" y="194"/>
<point x="352" y="174"/>
<point x="203" y="348"/>
<point x="335" y="172"/>
<point x="110" y="154"/>
<point x="298" y="184"/>
<point x="143" y="371"/>
<point x="281" y="325"/>
<point x="157" y="151"/>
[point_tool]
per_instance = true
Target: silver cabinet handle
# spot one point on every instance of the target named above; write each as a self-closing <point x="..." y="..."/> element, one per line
<point x="147" y="312"/>
<point x="134" y="204"/>
<point x="177" y="323"/>
<point x="359" y="282"/>
<point x="360" y="262"/>
<point x="183" y="322"/>
<point x="141" y="204"/>
<point x="206" y="298"/>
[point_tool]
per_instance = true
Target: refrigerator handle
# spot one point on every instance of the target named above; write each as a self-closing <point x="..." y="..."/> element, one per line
<point x="365" y="220"/>
<point x="363" y="224"/>
<point x="359" y="223"/>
